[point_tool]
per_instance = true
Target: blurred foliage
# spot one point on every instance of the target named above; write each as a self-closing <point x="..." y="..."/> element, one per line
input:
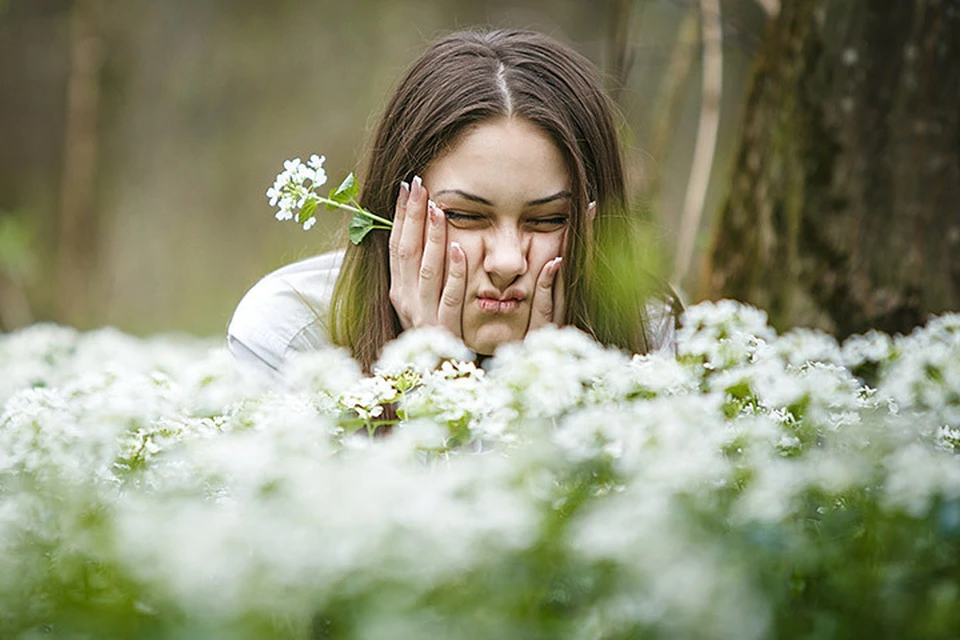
<point x="16" y="259"/>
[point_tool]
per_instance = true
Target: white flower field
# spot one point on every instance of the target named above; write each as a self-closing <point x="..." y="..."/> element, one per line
<point x="756" y="486"/>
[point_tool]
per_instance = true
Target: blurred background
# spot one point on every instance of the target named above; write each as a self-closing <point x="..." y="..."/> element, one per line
<point x="799" y="155"/>
<point x="149" y="130"/>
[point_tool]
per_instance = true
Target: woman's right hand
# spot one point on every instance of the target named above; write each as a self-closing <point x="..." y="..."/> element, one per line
<point x="418" y="261"/>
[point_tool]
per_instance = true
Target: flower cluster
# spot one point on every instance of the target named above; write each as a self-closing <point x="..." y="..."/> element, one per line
<point x="295" y="186"/>
<point x="756" y="485"/>
<point x="294" y="193"/>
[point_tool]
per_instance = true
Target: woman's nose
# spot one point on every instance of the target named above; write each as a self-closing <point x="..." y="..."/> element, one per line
<point x="505" y="257"/>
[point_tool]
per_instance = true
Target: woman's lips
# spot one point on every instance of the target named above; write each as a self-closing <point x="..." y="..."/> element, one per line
<point x="494" y="305"/>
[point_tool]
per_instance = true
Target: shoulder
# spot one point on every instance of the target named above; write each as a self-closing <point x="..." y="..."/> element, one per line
<point x="284" y="311"/>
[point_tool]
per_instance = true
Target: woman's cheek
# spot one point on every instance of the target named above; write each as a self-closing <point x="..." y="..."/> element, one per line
<point x="546" y="247"/>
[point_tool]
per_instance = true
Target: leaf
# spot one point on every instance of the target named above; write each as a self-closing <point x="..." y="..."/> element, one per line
<point x="347" y="190"/>
<point x="308" y="209"/>
<point x="359" y="227"/>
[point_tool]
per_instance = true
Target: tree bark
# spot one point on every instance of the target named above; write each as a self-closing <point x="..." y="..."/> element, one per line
<point x="844" y="206"/>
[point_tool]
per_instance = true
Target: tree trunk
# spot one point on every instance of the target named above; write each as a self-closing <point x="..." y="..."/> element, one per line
<point x="844" y="206"/>
<point x="77" y="239"/>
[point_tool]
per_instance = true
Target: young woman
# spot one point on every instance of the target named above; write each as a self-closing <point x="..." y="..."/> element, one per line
<point x="497" y="159"/>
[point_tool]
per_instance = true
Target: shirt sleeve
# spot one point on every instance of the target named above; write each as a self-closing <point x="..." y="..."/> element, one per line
<point x="284" y="312"/>
<point x="662" y="319"/>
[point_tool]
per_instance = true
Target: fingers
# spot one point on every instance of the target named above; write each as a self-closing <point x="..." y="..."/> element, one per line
<point x="419" y="257"/>
<point x="542" y="311"/>
<point x="434" y="250"/>
<point x="559" y="301"/>
<point x="410" y="245"/>
<point x="398" y="216"/>
<point x="450" y="312"/>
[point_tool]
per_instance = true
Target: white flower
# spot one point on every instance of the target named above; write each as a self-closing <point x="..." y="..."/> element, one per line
<point x="295" y="186"/>
<point x="669" y="493"/>
<point x="800" y="346"/>
<point x="329" y="371"/>
<point x="553" y="370"/>
<point x="655" y="375"/>
<point x="948" y="439"/>
<point x="421" y="350"/>
<point x="456" y="395"/>
<point x="369" y="396"/>
<point x="722" y="334"/>
<point x="872" y="346"/>
<point x="274" y="194"/>
<point x="320" y="175"/>
<point x="918" y="474"/>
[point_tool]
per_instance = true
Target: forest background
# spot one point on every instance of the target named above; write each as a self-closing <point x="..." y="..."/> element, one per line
<point x="801" y="155"/>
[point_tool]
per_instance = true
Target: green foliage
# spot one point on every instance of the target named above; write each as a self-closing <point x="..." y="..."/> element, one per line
<point x="309" y="208"/>
<point x="347" y="192"/>
<point x="359" y="227"/>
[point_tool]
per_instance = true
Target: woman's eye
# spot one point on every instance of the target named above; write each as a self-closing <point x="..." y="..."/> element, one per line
<point x="459" y="219"/>
<point x="549" y="224"/>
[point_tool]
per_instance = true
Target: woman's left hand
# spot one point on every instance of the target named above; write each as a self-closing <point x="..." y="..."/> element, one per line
<point x="547" y="305"/>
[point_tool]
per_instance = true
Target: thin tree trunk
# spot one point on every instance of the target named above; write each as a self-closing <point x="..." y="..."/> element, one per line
<point x="770" y="7"/>
<point x="844" y="206"/>
<point x="76" y="248"/>
<point x="706" y="143"/>
<point x="619" y="52"/>
<point x="669" y="101"/>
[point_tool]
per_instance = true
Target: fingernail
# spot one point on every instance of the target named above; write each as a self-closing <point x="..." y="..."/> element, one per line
<point x="404" y="193"/>
<point x="456" y="252"/>
<point x="416" y="187"/>
<point x="435" y="213"/>
<point x="555" y="264"/>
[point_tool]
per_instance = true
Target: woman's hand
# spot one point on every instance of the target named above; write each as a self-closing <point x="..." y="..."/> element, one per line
<point x="548" y="294"/>
<point x="418" y="259"/>
<point x="547" y="303"/>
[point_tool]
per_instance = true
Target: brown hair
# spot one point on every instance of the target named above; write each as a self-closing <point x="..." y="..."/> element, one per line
<point x="470" y="77"/>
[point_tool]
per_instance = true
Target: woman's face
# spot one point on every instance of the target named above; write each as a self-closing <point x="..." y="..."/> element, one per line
<point x="505" y="191"/>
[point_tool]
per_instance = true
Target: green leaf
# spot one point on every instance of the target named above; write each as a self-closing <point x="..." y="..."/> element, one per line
<point x="359" y="227"/>
<point x="308" y="209"/>
<point x="347" y="190"/>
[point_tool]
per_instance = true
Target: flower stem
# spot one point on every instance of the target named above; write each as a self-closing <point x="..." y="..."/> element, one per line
<point x="359" y="210"/>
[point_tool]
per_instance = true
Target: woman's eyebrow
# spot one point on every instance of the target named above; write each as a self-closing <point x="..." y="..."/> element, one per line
<point x="560" y="195"/>
<point x="465" y="196"/>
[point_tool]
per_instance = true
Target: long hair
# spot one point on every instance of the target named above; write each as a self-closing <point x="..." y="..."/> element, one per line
<point x="465" y="79"/>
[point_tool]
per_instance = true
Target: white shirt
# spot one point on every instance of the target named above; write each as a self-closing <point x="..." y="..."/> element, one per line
<point x="285" y="313"/>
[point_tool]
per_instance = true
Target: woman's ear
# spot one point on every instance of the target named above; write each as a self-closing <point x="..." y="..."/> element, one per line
<point x="592" y="210"/>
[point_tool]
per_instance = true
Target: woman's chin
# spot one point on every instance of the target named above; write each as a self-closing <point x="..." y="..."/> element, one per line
<point x="485" y="340"/>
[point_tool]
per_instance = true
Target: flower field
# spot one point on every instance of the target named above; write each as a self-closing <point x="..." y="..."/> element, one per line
<point x="757" y="486"/>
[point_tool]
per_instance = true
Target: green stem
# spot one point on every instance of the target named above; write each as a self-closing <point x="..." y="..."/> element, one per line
<point x="360" y="422"/>
<point x="363" y="212"/>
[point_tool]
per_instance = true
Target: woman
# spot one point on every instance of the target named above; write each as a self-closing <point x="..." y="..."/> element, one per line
<point x="498" y="159"/>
